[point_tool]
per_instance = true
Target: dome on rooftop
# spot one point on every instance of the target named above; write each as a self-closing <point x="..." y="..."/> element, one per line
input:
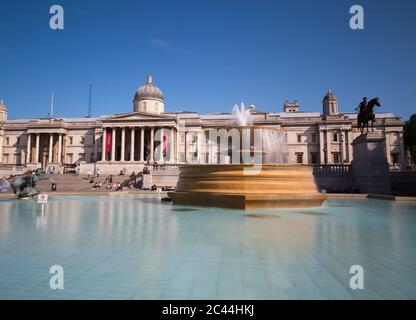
<point x="2" y="105"/>
<point x="149" y="91"/>
<point x="330" y="96"/>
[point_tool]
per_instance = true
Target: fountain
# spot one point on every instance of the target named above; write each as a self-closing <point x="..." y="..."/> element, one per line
<point x="24" y="186"/>
<point x="257" y="176"/>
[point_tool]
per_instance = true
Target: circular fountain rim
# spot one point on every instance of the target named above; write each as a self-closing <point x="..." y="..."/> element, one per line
<point x="271" y="166"/>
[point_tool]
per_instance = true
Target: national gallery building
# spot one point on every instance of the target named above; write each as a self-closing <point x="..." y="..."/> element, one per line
<point x="128" y="141"/>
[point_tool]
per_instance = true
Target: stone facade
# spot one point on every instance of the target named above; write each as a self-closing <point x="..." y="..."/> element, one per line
<point x="128" y="141"/>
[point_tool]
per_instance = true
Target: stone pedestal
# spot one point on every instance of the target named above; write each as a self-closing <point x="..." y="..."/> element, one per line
<point x="147" y="181"/>
<point x="370" y="168"/>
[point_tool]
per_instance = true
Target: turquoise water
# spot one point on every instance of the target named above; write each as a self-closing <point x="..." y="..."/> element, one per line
<point x="135" y="247"/>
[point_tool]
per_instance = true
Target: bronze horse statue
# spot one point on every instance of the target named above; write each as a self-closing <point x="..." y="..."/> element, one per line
<point x="366" y="114"/>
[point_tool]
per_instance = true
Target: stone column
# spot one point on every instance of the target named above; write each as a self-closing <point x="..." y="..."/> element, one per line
<point x="37" y="148"/>
<point x="142" y="145"/>
<point x="104" y="145"/>
<point x="321" y="147"/>
<point x="60" y="148"/>
<point x="96" y="138"/>
<point x="349" y="146"/>
<point x="161" y="130"/>
<point x="343" y="150"/>
<point x="328" y="147"/>
<point x="28" y="149"/>
<point x="402" y="157"/>
<point x="199" y="146"/>
<point x="50" y="147"/>
<point x="186" y="146"/>
<point x="388" y="155"/>
<point x="1" y="146"/>
<point x="152" y="142"/>
<point x="132" y="142"/>
<point x="123" y="142"/>
<point x="172" y="145"/>
<point x="177" y="137"/>
<point x="113" y="144"/>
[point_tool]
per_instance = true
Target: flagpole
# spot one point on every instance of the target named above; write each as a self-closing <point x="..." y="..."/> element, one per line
<point x="52" y="102"/>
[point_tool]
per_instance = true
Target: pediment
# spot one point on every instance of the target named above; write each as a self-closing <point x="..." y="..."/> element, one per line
<point x="138" y="116"/>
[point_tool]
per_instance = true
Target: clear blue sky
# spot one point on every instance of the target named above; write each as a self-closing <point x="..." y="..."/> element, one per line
<point x="206" y="55"/>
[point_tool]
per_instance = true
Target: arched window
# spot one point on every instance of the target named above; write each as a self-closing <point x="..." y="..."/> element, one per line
<point x="144" y="106"/>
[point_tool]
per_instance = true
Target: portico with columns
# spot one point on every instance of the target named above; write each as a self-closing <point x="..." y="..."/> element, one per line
<point x="44" y="147"/>
<point x="138" y="138"/>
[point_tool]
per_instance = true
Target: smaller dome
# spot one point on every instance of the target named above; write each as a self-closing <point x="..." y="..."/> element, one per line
<point x="2" y="105"/>
<point x="330" y="96"/>
<point x="149" y="91"/>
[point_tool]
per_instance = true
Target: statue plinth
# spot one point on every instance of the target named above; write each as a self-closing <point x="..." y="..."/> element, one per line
<point x="370" y="167"/>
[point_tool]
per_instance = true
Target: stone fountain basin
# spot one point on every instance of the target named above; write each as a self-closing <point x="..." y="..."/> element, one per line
<point x="247" y="186"/>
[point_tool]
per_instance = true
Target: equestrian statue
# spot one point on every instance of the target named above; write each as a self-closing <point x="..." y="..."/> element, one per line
<point x="366" y="113"/>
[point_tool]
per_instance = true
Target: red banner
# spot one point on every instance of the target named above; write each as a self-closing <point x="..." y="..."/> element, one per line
<point x="166" y="140"/>
<point x="108" y="142"/>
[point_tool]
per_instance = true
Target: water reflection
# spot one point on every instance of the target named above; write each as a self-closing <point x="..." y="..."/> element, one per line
<point x="137" y="239"/>
<point x="111" y="221"/>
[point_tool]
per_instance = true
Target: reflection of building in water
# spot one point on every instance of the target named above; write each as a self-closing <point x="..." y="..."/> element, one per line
<point x="117" y="221"/>
<point x="122" y="220"/>
<point x="129" y="140"/>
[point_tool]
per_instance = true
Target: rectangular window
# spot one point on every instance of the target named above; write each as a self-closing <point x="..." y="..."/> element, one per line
<point x="71" y="140"/>
<point x="70" y="157"/>
<point x="7" y="141"/>
<point x="335" y="137"/>
<point x="314" y="158"/>
<point x="6" y="158"/>
<point x="299" y="157"/>
<point x="314" y="137"/>
<point x="336" y="157"/>
<point x="299" y="138"/>
<point x="181" y="156"/>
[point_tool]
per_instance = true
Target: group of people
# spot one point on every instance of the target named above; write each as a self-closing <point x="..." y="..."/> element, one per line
<point x="108" y="182"/>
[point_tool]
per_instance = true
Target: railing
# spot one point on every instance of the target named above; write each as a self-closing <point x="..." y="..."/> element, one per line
<point x="164" y="167"/>
<point x="331" y="168"/>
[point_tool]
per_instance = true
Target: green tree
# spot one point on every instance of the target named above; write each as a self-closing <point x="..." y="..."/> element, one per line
<point x="409" y="136"/>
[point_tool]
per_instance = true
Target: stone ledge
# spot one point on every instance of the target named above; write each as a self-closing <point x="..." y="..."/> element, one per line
<point x="248" y="201"/>
<point x="391" y="198"/>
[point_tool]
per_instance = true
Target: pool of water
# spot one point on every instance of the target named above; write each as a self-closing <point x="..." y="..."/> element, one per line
<point x="135" y="247"/>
